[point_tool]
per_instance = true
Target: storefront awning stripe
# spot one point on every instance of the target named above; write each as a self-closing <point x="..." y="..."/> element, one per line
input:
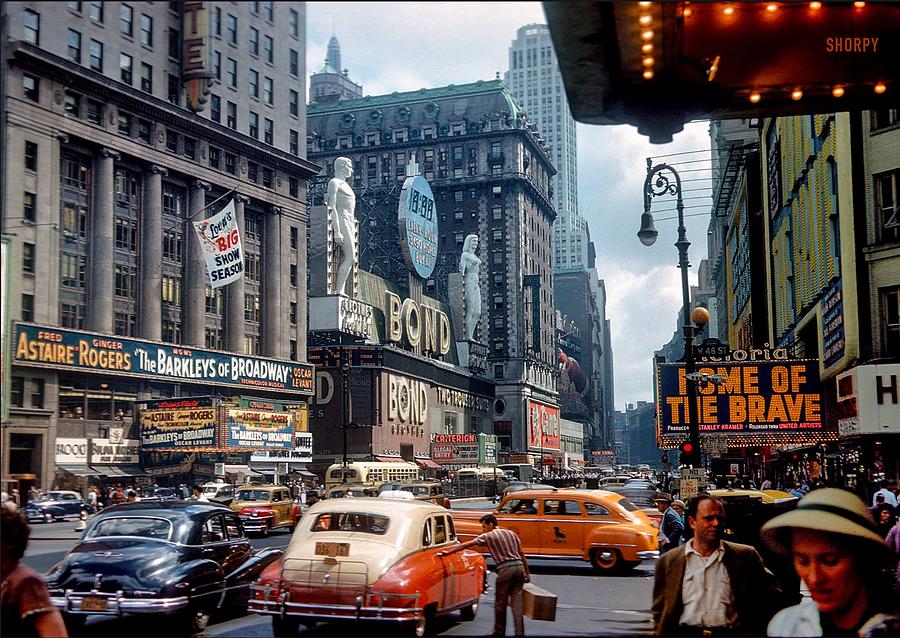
<point x="241" y="469"/>
<point x="79" y="470"/>
<point x="120" y="470"/>
<point x="389" y="459"/>
<point x="428" y="463"/>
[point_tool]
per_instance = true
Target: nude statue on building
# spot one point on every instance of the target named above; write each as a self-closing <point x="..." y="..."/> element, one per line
<point x="469" y="266"/>
<point x="341" y="202"/>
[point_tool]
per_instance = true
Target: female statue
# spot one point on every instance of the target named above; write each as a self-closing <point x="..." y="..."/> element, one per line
<point x="469" y="265"/>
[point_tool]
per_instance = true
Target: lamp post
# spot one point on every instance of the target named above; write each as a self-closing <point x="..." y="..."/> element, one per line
<point x="663" y="180"/>
<point x="346" y="369"/>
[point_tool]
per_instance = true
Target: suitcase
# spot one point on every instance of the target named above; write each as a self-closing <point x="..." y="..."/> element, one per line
<point x="537" y="603"/>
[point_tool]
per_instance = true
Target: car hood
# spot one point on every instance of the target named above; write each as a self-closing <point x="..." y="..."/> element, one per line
<point x="123" y="564"/>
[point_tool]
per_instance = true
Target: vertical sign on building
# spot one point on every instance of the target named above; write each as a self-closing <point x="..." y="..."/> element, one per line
<point x="5" y="344"/>
<point x="196" y="66"/>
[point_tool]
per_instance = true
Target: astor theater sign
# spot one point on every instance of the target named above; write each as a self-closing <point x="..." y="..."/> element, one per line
<point x="763" y="400"/>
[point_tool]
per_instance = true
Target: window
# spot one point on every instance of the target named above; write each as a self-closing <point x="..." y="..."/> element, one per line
<point x="293" y="312"/>
<point x="74" y="51"/>
<point x="231" y="29"/>
<point x="31" y="152"/>
<point x="171" y="291"/>
<point x="295" y="237"/>
<point x="231" y="163"/>
<point x="27" y="307"/>
<point x="217" y="65"/>
<point x="295" y="103"/>
<point x="73" y="104"/>
<point x="254" y="125"/>
<point x="267" y="10"/>
<point x="28" y="258"/>
<point x="126" y="20"/>
<point x="231" y="72"/>
<point x="146" y="78"/>
<point x="214" y="339"/>
<point x="251" y="307"/>
<point x="145" y="131"/>
<point x="268" y="91"/>
<point x="30" y="87"/>
<point x="215" y="108"/>
<point x="93" y="112"/>
<point x="217" y="21"/>
<point x="125" y="68"/>
<point x="498" y="235"/>
<point x="173" y="93"/>
<point x="268" y="49"/>
<point x="215" y="157"/>
<point x="294" y="22"/>
<point x="293" y="275"/>
<point x="124" y="121"/>
<point x="888" y="206"/>
<point x="74" y="220"/>
<point x="592" y="509"/>
<point x="146" y="30"/>
<point x="882" y="118"/>
<point x="74" y="5"/>
<point x="254" y="83"/>
<point x="294" y="187"/>
<point x="171" y="238"/>
<point x="174" y="44"/>
<point x="254" y="40"/>
<point x="29" y="207"/>
<point x="95" y="51"/>
<point x="267" y="177"/>
<point x="294" y="63"/>
<point x="171" y="331"/>
<point x="497" y="213"/>
<point x="72" y="269"/>
<point x="294" y="142"/>
<point x="124" y="280"/>
<point x="71" y="316"/>
<point x="189" y="148"/>
<point x="171" y="141"/>
<point x="251" y="266"/>
<point x="32" y="27"/>
<point x="17" y="392"/>
<point x="37" y="393"/>
<point x="252" y="172"/>
<point x="231" y="115"/>
<point x="269" y="132"/>
<point x="890" y="304"/>
<point x="124" y="324"/>
<point x="126" y="234"/>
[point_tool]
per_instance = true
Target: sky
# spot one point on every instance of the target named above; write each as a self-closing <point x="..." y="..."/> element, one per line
<point x="405" y="46"/>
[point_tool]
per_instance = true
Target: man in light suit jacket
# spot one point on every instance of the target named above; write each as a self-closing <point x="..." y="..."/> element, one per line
<point x="711" y="587"/>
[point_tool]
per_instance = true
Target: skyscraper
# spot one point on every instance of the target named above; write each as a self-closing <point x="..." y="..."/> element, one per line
<point x="535" y="81"/>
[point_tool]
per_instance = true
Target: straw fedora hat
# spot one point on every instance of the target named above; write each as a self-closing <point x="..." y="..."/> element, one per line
<point x="829" y="510"/>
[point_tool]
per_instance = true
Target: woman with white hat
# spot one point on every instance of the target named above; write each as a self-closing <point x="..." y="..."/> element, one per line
<point x="836" y="552"/>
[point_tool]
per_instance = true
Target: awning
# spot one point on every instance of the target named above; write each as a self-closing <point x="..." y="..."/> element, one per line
<point x="241" y="469"/>
<point x="389" y="459"/>
<point x="120" y="470"/>
<point x="428" y="464"/>
<point x="79" y="470"/>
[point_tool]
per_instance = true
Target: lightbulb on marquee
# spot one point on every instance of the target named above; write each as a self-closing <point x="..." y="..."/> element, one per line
<point x="880" y="88"/>
<point x="796" y="94"/>
<point x="755" y="97"/>
<point x="837" y="91"/>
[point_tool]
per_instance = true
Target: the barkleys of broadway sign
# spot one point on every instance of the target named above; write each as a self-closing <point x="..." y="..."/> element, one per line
<point x="68" y="349"/>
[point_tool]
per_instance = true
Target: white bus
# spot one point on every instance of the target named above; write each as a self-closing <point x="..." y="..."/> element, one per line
<point x="371" y="473"/>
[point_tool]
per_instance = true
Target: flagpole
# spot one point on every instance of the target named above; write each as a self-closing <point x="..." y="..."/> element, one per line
<point x="192" y="215"/>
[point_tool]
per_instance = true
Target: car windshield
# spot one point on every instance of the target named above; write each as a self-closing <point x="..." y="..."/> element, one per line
<point x="210" y="489"/>
<point x="253" y="495"/>
<point x="351" y="522"/>
<point x="132" y="526"/>
<point x="51" y="496"/>
<point x="417" y="490"/>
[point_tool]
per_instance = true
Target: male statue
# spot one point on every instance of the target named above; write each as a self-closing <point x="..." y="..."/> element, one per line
<point x="341" y="203"/>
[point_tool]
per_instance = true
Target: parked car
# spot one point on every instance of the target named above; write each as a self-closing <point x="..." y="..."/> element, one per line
<point x="645" y="499"/>
<point x="183" y="560"/>
<point x="431" y="491"/>
<point x="265" y="507"/>
<point x="160" y="494"/>
<point x="593" y="525"/>
<point x="370" y="559"/>
<point x="57" y="505"/>
<point x="219" y="492"/>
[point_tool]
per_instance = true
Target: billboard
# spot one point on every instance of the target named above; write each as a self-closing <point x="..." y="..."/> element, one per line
<point x="259" y="429"/>
<point x="543" y="426"/>
<point x="750" y="397"/>
<point x="50" y="347"/>
<point x="179" y="424"/>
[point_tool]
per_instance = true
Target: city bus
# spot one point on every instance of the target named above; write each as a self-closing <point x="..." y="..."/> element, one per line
<point x="371" y="473"/>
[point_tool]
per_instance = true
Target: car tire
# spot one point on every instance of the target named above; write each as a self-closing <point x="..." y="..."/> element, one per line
<point x="606" y="561"/>
<point x="468" y="612"/>
<point x="284" y="626"/>
<point x="265" y="530"/>
<point x="195" y="621"/>
<point x="419" y="627"/>
<point x="48" y="517"/>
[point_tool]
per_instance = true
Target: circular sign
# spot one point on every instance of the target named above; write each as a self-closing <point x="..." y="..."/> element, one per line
<point x="418" y="226"/>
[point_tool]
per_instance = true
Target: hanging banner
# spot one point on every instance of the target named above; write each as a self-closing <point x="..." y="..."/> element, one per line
<point x="221" y="245"/>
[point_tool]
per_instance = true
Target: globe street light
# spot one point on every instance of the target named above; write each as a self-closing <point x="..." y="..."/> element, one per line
<point x="664" y="180"/>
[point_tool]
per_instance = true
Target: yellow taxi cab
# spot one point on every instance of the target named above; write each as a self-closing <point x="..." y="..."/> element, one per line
<point x="262" y="508"/>
<point x="598" y="526"/>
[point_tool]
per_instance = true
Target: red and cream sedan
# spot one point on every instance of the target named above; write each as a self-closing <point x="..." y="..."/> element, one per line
<point x="370" y="559"/>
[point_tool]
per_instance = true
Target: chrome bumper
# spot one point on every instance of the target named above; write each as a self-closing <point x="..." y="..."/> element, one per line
<point x="326" y="611"/>
<point x="649" y="554"/>
<point x="117" y="604"/>
<point x="256" y="524"/>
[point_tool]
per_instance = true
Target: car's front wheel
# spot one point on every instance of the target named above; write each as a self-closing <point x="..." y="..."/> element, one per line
<point x="468" y="612"/>
<point x="195" y="621"/>
<point x="48" y="517"/>
<point x="284" y="626"/>
<point x="606" y="560"/>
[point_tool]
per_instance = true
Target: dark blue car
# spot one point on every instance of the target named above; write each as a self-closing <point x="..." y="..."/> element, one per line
<point x="56" y="506"/>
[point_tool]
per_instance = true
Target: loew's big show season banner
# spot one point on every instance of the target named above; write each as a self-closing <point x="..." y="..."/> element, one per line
<point x="220" y="242"/>
<point x="69" y="349"/>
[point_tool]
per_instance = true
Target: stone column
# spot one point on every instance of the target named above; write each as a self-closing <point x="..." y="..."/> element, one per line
<point x="234" y="292"/>
<point x="151" y="254"/>
<point x="273" y="343"/>
<point x="193" y="291"/>
<point x="102" y="256"/>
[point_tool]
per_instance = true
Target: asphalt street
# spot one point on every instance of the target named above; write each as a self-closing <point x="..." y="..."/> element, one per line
<point x="588" y="604"/>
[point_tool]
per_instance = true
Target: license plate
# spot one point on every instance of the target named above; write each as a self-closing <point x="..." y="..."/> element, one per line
<point x="332" y="549"/>
<point x="94" y="603"/>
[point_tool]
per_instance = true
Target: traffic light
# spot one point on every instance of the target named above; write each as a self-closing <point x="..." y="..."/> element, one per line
<point x="664" y="458"/>
<point x="688" y="454"/>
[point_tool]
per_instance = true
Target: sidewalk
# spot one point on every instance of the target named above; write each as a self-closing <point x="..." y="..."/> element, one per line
<point x="62" y="532"/>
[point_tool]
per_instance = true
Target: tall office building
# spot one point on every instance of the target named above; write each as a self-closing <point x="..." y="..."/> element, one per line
<point x="332" y="82"/>
<point x="122" y="123"/>
<point x="535" y="81"/>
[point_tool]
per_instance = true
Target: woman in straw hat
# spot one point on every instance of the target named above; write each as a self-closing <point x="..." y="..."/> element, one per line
<point x="842" y="560"/>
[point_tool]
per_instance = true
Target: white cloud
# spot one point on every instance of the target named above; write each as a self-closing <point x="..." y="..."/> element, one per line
<point x="393" y="46"/>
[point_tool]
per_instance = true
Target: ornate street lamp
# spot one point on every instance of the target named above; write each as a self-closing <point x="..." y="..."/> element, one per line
<point x="664" y="180"/>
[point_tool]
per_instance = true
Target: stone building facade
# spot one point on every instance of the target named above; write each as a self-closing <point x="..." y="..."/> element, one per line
<point x="105" y="164"/>
<point x="491" y="177"/>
